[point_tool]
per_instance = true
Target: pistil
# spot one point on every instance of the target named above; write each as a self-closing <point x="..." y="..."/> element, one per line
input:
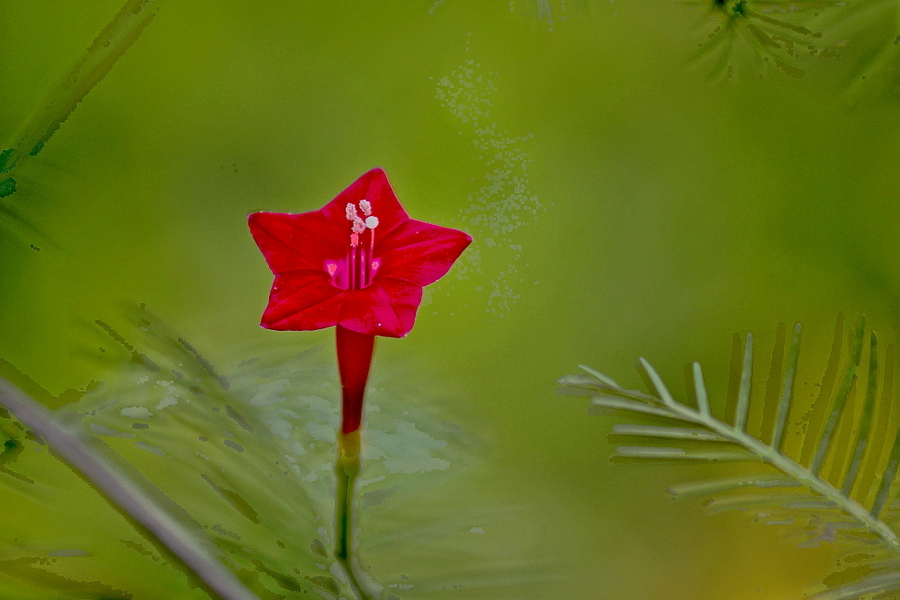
<point x="360" y="264"/>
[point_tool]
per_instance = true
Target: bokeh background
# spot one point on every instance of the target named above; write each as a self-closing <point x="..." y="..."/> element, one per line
<point x="626" y="200"/>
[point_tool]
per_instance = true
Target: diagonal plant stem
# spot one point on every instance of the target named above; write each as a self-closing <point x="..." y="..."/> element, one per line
<point x="137" y="498"/>
<point x="109" y="46"/>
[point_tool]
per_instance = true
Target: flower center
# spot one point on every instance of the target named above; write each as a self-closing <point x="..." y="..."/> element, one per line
<point x="358" y="268"/>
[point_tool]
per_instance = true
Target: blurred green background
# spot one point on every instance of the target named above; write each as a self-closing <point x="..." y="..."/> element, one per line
<point x="623" y="203"/>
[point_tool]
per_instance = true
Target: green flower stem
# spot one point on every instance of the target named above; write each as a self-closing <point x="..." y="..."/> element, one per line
<point x="131" y="493"/>
<point x="347" y="469"/>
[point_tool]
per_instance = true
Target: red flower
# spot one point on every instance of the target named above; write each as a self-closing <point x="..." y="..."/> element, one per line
<point x="359" y="262"/>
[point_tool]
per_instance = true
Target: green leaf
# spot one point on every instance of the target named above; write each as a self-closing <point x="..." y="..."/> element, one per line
<point x="787" y="390"/>
<point x="714" y="486"/>
<point x="819" y="409"/>
<point x="658" y="384"/>
<point x="599" y="376"/>
<point x="667" y="432"/>
<point x="7" y="187"/>
<point x="824" y="443"/>
<point x="632" y="405"/>
<point x="7" y="161"/>
<point x="862" y="438"/>
<point x="773" y="383"/>
<point x="682" y="454"/>
<point x="700" y="390"/>
<point x="877" y="454"/>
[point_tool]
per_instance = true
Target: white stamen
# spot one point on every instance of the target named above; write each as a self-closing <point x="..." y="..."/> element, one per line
<point x="351" y="211"/>
<point x="358" y="225"/>
<point x="365" y="207"/>
<point x="372" y="222"/>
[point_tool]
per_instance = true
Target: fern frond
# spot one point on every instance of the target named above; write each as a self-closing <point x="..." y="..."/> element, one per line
<point x="133" y="494"/>
<point x="109" y="46"/>
<point x="245" y="453"/>
<point x="775" y="33"/>
<point x="837" y="483"/>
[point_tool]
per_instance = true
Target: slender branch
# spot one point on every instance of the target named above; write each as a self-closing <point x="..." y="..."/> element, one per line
<point x="121" y="32"/>
<point x="136" y="498"/>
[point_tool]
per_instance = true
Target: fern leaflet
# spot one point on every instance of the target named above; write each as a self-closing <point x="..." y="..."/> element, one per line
<point x="833" y="483"/>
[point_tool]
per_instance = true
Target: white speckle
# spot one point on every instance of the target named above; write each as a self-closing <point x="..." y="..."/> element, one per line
<point x="323" y="534"/>
<point x="136" y="412"/>
<point x="338" y="573"/>
<point x="477" y="530"/>
<point x="497" y="209"/>
<point x="167" y="401"/>
<point x="98" y="429"/>
<point x="149" y="448"/>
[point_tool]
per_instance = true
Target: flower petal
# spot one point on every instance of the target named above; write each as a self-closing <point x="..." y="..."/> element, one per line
<point x="420" y="253"/>
<point x="387" y="307"/>
<point x="290" y="242"/>
<point x="304" y="250"/>
<point x="302" y="301"/>
<point x="374" y="187"/>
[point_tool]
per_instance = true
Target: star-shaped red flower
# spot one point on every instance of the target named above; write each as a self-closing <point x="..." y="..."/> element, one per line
<point x="359" y="262"/>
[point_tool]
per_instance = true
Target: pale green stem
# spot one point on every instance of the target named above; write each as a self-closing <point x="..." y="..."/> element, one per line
<point x="133" y="494"/>
<point x="347" y="469"/>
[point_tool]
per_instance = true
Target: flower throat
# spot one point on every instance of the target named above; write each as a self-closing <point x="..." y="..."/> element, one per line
<point x="358" y="269"/>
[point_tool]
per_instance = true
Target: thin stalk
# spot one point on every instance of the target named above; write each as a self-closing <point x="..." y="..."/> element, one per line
<point x="347" y="469"/>
<point x="134" y="495"/>
<point x="124" y="29"/>
<point x="743" y="402"/>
